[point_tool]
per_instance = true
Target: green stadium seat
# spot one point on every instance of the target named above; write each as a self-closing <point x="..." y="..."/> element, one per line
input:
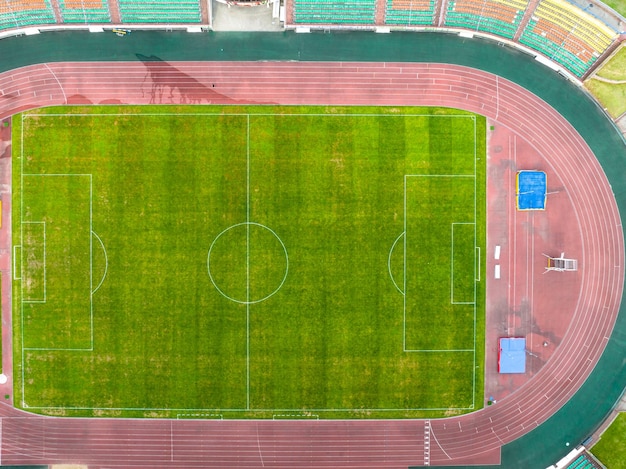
<point x="159" y="11"/>
<point x="487" y="16"/>
<point x="420" y="14"/>
<point x="85" y="14"/>
<point x="18" y="18"/>
<point x="334" y="12"/>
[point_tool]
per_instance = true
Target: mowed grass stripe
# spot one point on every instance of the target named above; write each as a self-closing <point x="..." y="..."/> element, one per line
<point x="325" y="195"/>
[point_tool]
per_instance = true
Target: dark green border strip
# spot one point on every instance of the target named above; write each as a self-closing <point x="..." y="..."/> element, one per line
<point x="583" y="413"/>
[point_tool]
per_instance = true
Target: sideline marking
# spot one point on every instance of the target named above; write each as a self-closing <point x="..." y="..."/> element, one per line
<point x="248" y="261"/>
<point x="15" y="248"/>
<point x="239" y="409"/>
<point x="248" y="206"/>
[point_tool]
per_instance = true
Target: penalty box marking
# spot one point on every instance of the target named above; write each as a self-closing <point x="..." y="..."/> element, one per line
<point x="461" y="176"/>
<point x="91" y="321"/>
<point x="473" y="304"/>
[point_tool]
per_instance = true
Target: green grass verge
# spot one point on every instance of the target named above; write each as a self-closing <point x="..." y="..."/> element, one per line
<point x="611" y="449"/>
<point x="235" y="262"/>
<point x="612" y="96"/>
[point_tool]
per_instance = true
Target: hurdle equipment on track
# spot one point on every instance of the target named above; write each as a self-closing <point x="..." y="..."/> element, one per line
<point x="561" y="264"/>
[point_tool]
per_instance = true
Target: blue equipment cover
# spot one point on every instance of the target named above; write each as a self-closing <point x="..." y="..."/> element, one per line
<point x="512" y="355"/>
<point x="531" y="190"/>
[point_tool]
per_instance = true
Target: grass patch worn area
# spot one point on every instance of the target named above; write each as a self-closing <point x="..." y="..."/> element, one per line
<point x="249" y="261"/>
<point x="612" y="96"/>
<point x="611" y="449"/>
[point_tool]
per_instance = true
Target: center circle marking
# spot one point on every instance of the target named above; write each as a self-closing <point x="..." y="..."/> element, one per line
<point x="232" y="230"/>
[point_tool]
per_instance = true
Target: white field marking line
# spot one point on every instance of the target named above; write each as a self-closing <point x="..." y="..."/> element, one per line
<point x="440" y="351"/>
<point x="478" y="266"/>
<point x="529" y="219"/>
<point x="497" y="98"/>
<point x="532" y="282"/>
<point x="510" y="208"/>
<point x="57" y="349"/>
<point x="57" y="175"/>
<point x="389" y="262"/>
<point x="60" y="85"/>
<point x="23" y="116"/>
<point x="247" y="261"/>
<point x="404" y="279"/>
<point x="21" y="259"/>
<point x="452" y="262"/>
<point x="15" y="248"/>
<point x="199" y="415"/>
<point x="404" y="348"/>
<point x="164" y="409"/>
<point x="106" y="262"/>
<point x="258" y="445"/>
<point x="432" y="432"/>
<point x="295" y="417"/>
<point x="91" y="258"/>
<point x="427" y="443"/>
<point x="514" y="186"/>
<point x="44" y="263"/>
<point x="262" y="114"/>
<point x="440" y="175"/>
<point x="254" y="301"/>
<point x="475" y="219"/>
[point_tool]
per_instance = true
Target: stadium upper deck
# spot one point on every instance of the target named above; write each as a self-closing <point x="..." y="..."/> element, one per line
<point x="559" y="30"/>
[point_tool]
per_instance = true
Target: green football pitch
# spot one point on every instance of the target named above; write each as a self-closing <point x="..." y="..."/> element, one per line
<point x="249" y="262"/>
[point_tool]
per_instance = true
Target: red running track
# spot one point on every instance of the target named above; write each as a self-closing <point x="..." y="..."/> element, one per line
<point x="470" y="439"/>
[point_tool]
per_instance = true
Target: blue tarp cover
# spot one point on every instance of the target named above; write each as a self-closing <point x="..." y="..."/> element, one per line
<point x="512" y="355"/>
<point x="531" y="190"/>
